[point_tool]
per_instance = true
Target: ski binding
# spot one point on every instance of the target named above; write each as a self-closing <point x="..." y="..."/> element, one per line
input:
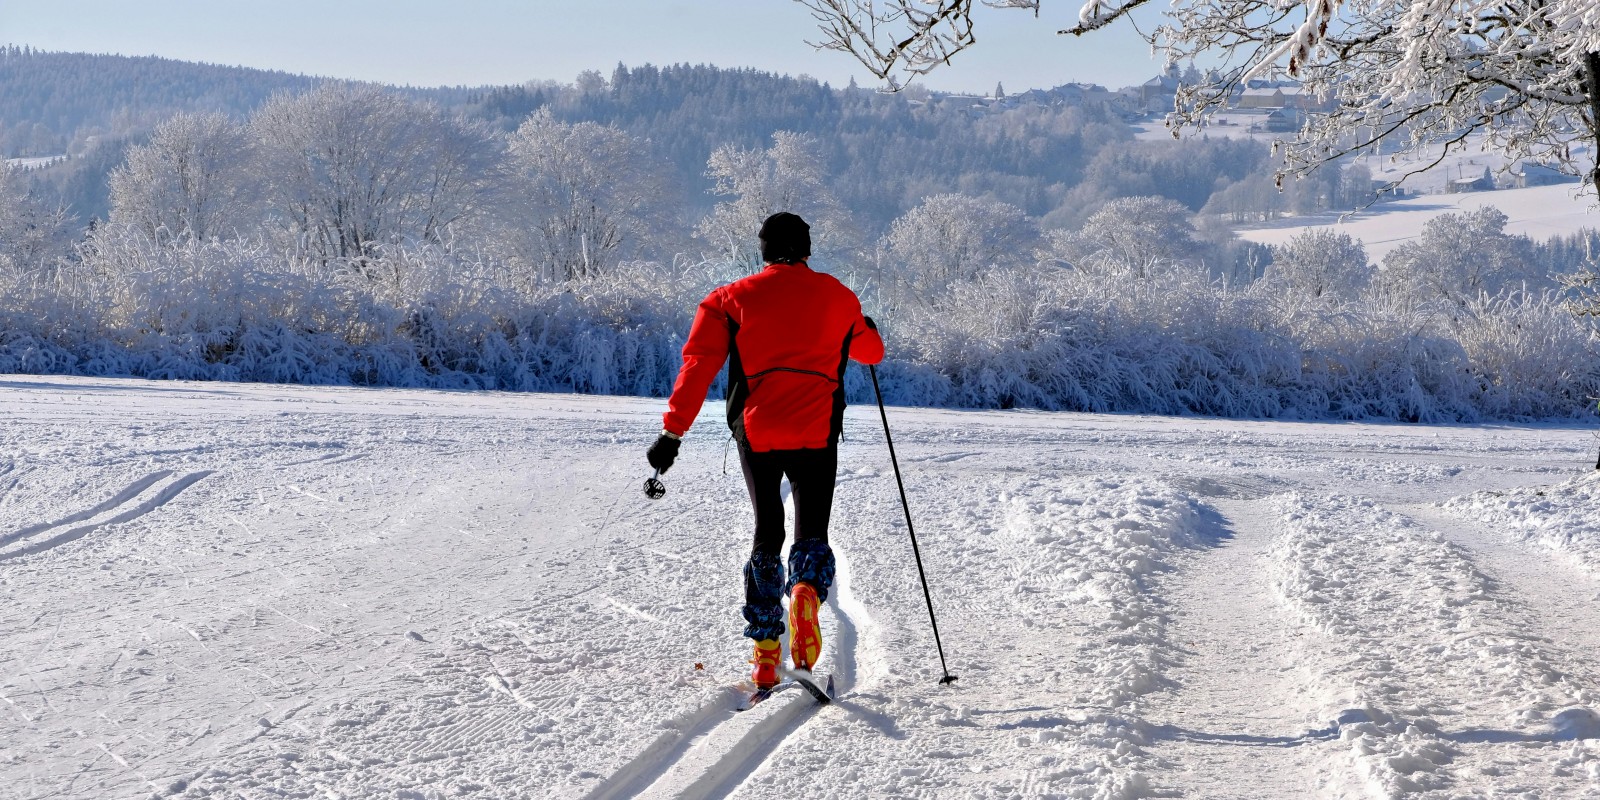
<point x="792" y="678"/>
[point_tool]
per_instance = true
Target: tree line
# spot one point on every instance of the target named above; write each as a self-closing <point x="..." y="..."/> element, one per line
<point x="351" y="234"/>
<point x="879" y="153"/>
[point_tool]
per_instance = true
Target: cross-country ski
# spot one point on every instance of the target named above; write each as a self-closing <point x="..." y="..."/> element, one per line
<point x="808" y="684"/>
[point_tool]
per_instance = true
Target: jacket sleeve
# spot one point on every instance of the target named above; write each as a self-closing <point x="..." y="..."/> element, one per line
<point x="703" y="354"/>
<point x="866" y="346"/>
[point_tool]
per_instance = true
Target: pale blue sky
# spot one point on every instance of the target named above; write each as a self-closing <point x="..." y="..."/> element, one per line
<point x="429" y="42"/>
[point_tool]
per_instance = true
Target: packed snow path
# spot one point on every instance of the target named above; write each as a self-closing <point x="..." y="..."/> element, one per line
<point x="219" y="591"/>
<point x="1239" y="705"/>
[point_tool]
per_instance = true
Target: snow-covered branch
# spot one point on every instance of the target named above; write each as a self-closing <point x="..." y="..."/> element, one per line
<point x="1421" y="72"/>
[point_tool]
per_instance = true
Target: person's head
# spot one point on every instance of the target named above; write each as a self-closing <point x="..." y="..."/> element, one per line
<point x="785" y="239"/>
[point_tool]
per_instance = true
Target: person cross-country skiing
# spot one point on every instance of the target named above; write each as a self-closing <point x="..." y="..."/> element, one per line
<point x="786" y="333"/>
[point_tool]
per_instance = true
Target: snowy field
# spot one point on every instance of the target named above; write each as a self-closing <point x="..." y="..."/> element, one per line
<point x="245" y="591"/>
<point x="34" y="162"/>
<point x="1539" y="212"/>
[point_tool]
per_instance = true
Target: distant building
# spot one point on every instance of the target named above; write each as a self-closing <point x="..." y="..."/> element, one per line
<point x="1266" y="97"/>
<point x="1082" y="94"/>
<point x="1158" y="92"/>
<point x="1271" y="97"/>
<point x="957" y="101"/>
<point x="1129" y="102"/>
<point x="1532" y="173"/>
<point x="1284" y="120"/>
<point x="1482" y="183"/>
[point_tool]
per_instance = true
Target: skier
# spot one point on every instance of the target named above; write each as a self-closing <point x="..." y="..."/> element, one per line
<point x="786" y="333"/>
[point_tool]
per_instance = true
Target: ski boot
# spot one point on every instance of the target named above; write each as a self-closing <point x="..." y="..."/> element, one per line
<point x="768" y="654"/>
<point x="805" y="634"/>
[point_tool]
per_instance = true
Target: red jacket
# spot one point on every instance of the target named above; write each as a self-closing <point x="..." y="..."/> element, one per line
<point x="786" y="332"/>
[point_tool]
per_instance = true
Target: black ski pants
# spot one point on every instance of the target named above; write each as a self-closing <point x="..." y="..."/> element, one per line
<point x="811" y="476"/>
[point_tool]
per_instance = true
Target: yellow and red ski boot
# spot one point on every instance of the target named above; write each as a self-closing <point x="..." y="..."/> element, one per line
<point x="768" y="654"/>
<point x="805" y="634"/>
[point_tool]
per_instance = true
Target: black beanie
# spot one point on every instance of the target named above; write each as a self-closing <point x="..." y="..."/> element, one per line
<point x="785" y="239"/>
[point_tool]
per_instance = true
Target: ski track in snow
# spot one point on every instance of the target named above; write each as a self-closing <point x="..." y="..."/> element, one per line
<point x="1436" y="682"/>
<point x="1238" y="706"/>
<point x="160" y="498"/>
<point x="221" y="591"/>
<point x="709" y="751"/>
<point x="1563" y="519"/>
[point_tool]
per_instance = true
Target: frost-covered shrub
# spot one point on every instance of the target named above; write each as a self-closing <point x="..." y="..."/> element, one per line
<point x="194" y="178"/>
<point x="584" y="196"/>
<point x="1458" y="257"/>
<point x="1051" y="336"/>
<point x="1181" y="343"/>
<point x="415" y="317"/>
<point x="348" y="168"/>
<point x="1135" y="236"/>
<point x="1317" y="263"/>
<point x="31" y="233"/>
<point x="1526" y="356"/>
<point x="950" y="238"/>
<point x="788" y="176"/>
<point x="1072" y="340"/>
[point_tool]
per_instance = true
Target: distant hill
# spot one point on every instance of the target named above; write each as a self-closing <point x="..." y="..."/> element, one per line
<point x="1055" y="158"/>
<point x="92" y="106"/>
<point x="54" y="102"/>
<point x="885" y="151"/>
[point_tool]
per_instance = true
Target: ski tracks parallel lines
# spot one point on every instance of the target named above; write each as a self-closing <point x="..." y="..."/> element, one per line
<point x="742" y="757"/>
<point x="163" y="496"/>
<point x="133" y="490"/>
<point x="667" y="749"/>
<point x="724" y="747"/>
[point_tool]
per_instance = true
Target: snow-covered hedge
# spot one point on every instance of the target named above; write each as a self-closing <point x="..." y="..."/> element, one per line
<point x="424" y="318"/>
<point x="1177" y="342"/>
<point x="1169" y="340"/>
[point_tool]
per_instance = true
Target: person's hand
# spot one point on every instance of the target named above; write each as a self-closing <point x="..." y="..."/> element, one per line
<point x="663" y="452"/>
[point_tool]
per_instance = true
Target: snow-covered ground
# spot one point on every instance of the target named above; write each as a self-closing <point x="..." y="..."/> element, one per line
<point x="1231" y="124"/>
<point x="221" y="591"/>
<point x="1539" y="212"/>
<point x="34" y="162"/>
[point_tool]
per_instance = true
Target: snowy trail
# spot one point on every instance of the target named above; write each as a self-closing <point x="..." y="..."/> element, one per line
<point x="1239" y="707"/>
<point x="277" y="591"/>
<point x="1439" y="689"/>
<point x="1559" y="601"/>
<point x="161" y="497"/>
<point x="711" y="751"/>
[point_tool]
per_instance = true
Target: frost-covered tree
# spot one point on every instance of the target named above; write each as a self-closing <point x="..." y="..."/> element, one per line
<point x="350" y="168"/>
<point x="1135" y="235"/>
<point x="788" y="176"/>
<point x="950" y="238"/>
<point x="31" y="234"/>
<point x="590" y="81"/>
<point x="1320" y="264"/>
<point x="195" y="178"/>
<point x="1583" y="294"/>
<point x="590" y="194"/>
<point x="1428" y="73"/>
<point x="1458" y="258"/>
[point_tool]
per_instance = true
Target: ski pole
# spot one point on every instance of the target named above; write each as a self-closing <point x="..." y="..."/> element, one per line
<point x="915" y="551"/>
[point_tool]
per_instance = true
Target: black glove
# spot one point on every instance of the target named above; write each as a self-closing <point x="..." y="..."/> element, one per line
<point x="663" y="453"/>
<point x="870" y="323"/>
